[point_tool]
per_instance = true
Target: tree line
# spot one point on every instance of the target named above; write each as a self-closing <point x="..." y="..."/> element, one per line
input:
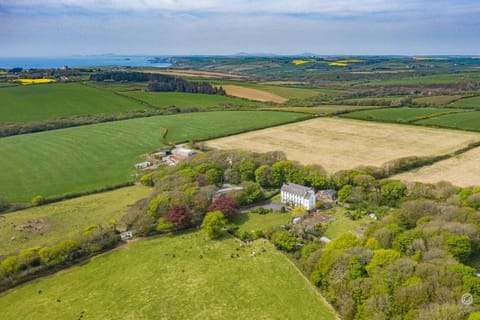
<point x="159" y="82"/>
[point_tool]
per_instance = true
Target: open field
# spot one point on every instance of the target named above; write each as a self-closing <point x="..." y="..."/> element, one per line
<point x="252" y="94"/>
<point x="53" y="101"/>
<point x="193" y="73"/>
<point x="251" y="222"/>
<point x="89" y="157"/>
<point x="473" y="102"/>
<point x="438" y="100"/>
<point x="403" y="114"/>
<point x="177" y="277"/>
<point x="323" y="110"/>
<point x="63" y="220"/>
<point x="342" y="224"/>
<point x="461" y="170"/>
<point x="186" y="100"/>
<point x="464" y="120"/>
<point x="338" y="144"/>
<point x="431" y="79"/>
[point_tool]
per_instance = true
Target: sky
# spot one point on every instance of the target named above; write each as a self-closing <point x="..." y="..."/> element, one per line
<point x="210" y="27"/>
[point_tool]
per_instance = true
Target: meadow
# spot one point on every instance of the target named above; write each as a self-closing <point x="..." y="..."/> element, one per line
<point x="188" y="100"/>
<point x="430" y="79"/>
<point x="48" y="224"/>
<point x="174" y="277"/>
<point x="461" y="170"/>
<point x="322" y="110"/>
<point x="464" y="120"/>
<point x="339" y="144"/>
<point x="473" y="102"/>
<point x="403" y="114"/>
<point x="251" y="222"/>
<point x="83" y="158"/>
<point x="53" y="101"/>
<point x="438" y="100"/>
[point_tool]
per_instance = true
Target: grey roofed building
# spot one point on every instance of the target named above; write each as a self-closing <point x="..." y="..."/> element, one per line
<point x="298" y="195"/>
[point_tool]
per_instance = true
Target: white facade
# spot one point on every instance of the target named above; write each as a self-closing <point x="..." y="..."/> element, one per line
<point x="298" y="195"/>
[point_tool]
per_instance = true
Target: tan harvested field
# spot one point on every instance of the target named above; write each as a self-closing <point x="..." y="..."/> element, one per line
<point x="194" y="73"/>
<point x="463" y="171"/>
<point x="252" y="94"/>
<point x="338" y="144"/>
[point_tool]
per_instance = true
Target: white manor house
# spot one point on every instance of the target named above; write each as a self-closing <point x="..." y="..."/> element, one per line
<point x="298" y="195"/>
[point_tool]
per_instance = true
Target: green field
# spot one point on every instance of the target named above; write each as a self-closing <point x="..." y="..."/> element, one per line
<point x="473" y="102"/>
<point x="183" y="100"/>
<point x="53" y="101"/>
<point x="251" y="222"/>
<point x="437" y="100"/>
<point x="464" y="120"/>
<point x="342" y="224"/>
<point x="403" y="114"/>
<point x="65" y="219"/>
<point x="88" y="157"/>
<point x="432" y="79"/>
<point x="178" y="277"/>
<point x="323" y="110"/>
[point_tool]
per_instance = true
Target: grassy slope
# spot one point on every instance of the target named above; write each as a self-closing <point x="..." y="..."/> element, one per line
<point x="433" y="79"/>
<point x="397" y="114"/>
<point x="464" y="120"/>
<point x="145" y="281"/>
<point x="253" y="221"/>
<point x="88" y="157"/>
<point x="473" y="102"/>
<point x="52" y="101"/>
<point x="342" y="224"/>
<point x="66" y="218"/>
<point x="326" y="109"/>
<point x="178" y="99"/>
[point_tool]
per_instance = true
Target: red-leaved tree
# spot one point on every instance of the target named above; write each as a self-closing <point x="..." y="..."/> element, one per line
<point x="179" y="215"/>
<point x="226" y="205"/>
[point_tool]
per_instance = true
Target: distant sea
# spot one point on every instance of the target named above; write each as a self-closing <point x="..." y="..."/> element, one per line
<point x="82" y="61"/>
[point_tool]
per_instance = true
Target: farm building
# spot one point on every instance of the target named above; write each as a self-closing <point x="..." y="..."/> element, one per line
<point x="183" y="152"/>
<point x="126" y="235"/>
<point x="298" y="195"/>
<point x="143" y="165"/>
<point x="328" y="196"/>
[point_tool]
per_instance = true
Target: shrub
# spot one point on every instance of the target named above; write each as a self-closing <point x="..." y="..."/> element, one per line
<point x="38" y="200"/>
<point x="285" y="241"/>
<point x="213" y="224"/>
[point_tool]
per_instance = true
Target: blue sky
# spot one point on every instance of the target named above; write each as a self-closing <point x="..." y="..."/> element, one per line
<point x="180" y="27"/>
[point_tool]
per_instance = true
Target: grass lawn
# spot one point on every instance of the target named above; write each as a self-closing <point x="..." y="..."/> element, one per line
<point x="180" y="99"/>
<point x="253" y="221"/>
<point x="53" y="101"/>
<point x="65" y="219"/>
<point x="473" y="102"/>
<point x="464" y="120"/>
<point x="177" y="277"/>
<point x="403" y="114"/>
<point x="342" y="224"/>
<point x="88" y="157"/>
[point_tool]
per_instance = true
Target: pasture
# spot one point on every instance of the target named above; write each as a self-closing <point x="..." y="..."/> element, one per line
<point x="95" y="156"/>
<point x="53" y="101"/>
<point x="473" y="102"/>
<point x="403" y="114"/>
<point x="322" y="110"/>
<point x="174" y="277"/>
<point x="251" y="222"/>
<point x="339" y="144"/>
<point x="461" y="170"/>
<point x="252" y="94"/>
<point x="48" y="224"/>
<point x="464" y="120"/>
<point x="188" y="100"/>
<point x="438" y="100"/>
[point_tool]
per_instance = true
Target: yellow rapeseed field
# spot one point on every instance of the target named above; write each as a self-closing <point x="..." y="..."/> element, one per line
<point x="34" y="81"/>
<point x="2" y="73"/>
<point x="303" y="61"/>
<point x="428" y="58"/>
<point x="337" y="64"/>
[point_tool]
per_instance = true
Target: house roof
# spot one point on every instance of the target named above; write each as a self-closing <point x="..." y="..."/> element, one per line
<point x="328" y="192"/>
<point x="298" y="190"/>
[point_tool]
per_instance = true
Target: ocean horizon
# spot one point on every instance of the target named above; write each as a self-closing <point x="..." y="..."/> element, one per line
<point x="81" y="61"/>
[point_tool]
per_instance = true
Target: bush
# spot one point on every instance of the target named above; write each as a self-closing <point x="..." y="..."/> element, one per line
<point x="213" y="224"/>
<point x="38" y="200"/>
<point x="285" y="241"/>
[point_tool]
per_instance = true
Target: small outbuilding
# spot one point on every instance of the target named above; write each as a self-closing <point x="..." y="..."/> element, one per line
<point x="329" y="196"/>
<point x="126" y="235"/>
<point x="143" y="165"/>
